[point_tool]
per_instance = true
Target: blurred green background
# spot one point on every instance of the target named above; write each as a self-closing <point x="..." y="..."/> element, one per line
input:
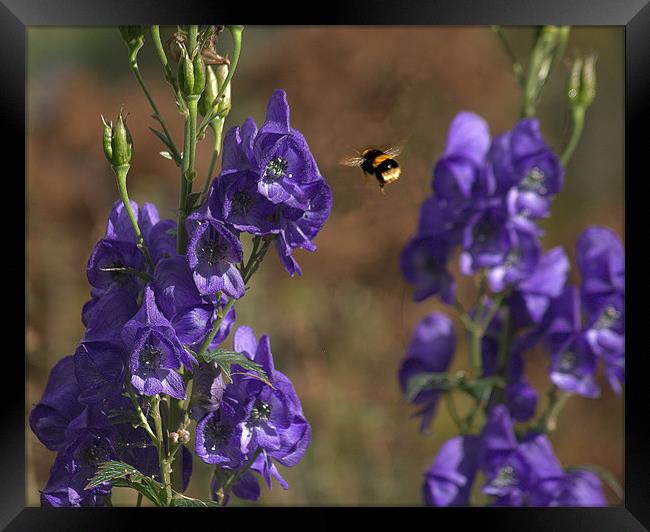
<point x="339" y="331"/>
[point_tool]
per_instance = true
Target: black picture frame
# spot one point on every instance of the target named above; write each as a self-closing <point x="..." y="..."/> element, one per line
<point x="633" y="15"/>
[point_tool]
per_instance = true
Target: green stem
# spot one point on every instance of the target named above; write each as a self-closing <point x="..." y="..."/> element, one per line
<point x="162" y="459"/>
<point x="138" y="502"/>
<point x="453" y="412"/>
<point x="517" y="68"/>
<point x="218" y="131"/>
<point x="120" y="179"/>
<point x="143" y="419"/>
<point x="187" y="172"/>
<point x="240" y="472"/>
<point x="576" y="133"/>
<point x="133" y="62"/>
<point x="193" y="33"/>
<point x="236" y="32"/>
<point x="215" y="328"/>
<point x="160" y="50"/>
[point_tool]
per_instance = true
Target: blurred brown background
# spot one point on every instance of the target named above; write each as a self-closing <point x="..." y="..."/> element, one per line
<point x="339" y="331"/>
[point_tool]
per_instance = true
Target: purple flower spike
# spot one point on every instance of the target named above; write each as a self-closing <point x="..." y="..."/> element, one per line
<point x="431" y="349"/>
<point x="212" y="254"/>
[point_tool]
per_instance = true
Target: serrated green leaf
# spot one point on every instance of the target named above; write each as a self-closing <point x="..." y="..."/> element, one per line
<point x="111" y="470"/>
<point x="123" y="475"/>
<point x="186" y="502"/>
<point x="225" y="359"/>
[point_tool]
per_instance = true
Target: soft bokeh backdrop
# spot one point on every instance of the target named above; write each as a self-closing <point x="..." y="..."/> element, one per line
<point x="339" y="331"/>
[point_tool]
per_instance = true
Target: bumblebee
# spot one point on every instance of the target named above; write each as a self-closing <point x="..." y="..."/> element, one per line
<point x="378" y="162"/>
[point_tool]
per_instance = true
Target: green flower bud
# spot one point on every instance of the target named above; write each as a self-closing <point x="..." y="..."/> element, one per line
<point x="215" y="78"/>
<point x="117" y="142"/>
<point x="133" y="36"/>
<point x="191" y="74"/>
<point x="581" y="89"/>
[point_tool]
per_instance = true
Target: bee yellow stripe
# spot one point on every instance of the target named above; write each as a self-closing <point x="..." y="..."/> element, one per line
<point x="379" y="159"/>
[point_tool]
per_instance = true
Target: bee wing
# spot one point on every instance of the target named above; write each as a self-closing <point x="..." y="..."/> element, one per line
<point x="354" y="160"/>
<point x="394" y="151"/>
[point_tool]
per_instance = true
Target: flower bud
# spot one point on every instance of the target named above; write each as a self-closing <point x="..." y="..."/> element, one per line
<point x="183" y="435"/>
<point x="133" y="36"/>
<point x="117" y="142"/>
<point x="215" y="78"/>
<point x="581" y="89"/>
<point x="191" y="74"/>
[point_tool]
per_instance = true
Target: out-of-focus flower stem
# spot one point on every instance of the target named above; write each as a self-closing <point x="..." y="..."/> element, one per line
<point x="578" y="116"/>
<point x="517" y="68"/>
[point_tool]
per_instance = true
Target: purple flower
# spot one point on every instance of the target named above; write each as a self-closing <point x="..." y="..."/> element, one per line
<point x="282" y="157"/>
<point x="521" y="400"/>
<point x="520" y="261"/>
<point x="155" y="352"/>
<point x="212" y="254"/>
<point x="162" y="240"/>
<point x="576" y="488"/>
<point x="449" y="479"/>
<point x="74" y="467"/>
<point x="190" y="314"/>
<point x="442" y="217"/>
<point x="535" y="293"/>
<point x="120" y="228"/>
<point x="219" y="436"/>
<point x="460" y="167"/>
<point x="236" y="198"/>
<point x="207" y="390"/>
<point x="99" y="368"/>
<point x="274" y="421"/>
<point x="105" y="315"/>
<point x="424" y="264"/>
<point x="431" y="349"/>
<point x="600" y="258"/>
<point x="59" y="405"/>
<point x="486" y="239"/>
<point x="298" y="227"/>
<point x="106" y="264"/>
<point x="573" y="367"/>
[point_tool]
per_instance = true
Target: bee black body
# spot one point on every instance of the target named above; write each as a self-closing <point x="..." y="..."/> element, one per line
<point x="382" y="166"/>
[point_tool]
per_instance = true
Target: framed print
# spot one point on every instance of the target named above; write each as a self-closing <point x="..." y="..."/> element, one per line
<point x="373" y="257"/>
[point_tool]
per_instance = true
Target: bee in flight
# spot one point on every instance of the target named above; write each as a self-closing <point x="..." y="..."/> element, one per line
<point x="378" y="162"/>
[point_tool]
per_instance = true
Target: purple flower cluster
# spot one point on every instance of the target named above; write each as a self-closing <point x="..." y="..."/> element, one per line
<point x="149" y="316"/>
<point x="518" y="471"/>
<point x="269" y="186"/>
<point x="249" y="422"/>
<point x="488" y="195"/>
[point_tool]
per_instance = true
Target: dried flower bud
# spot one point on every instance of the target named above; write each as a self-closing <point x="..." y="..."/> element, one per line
<point x="581" y="89"/>
<point x="173" y="436"/>
<point x="117" y="142"/>
<point x="183" y="435"/>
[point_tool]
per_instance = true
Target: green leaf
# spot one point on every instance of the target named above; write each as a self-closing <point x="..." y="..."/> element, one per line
<point x="183" y="501"/>
<point x="164" y="140"/>
<point x="427" y="381"/>
<point x="123" y="475"/>
<point x="225" y="359"/>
